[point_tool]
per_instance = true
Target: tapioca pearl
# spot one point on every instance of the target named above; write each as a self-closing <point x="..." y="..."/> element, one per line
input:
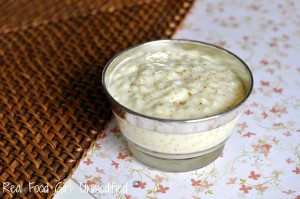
<point x="206" y="110"/>
<point x="162" y="141"/>
<point x="122" y="87"/>
<point x="160" y="86"/>
<point x="207" y="136"/>
<point x="219" y="133"/>
<point x="141" y="79"/>
<point x="178" y="145"/>
<point x="141" y="138"/>
<point x="193" y="144"/>
<point x="200" y="141"/>
<point x="170" y="143"/>
<point x="176" y="95"/>
<point x="188" y="138"/>
<point x="215" y="135"/>
<point x="202" y="101"/>
<point x="200" y="135"/>
<point x="176" y="137"/>
<point x="160" y="109"/>
<point x="128" y="70"/>
<point x="218" y="130"/>
<point x="152" y="142"/>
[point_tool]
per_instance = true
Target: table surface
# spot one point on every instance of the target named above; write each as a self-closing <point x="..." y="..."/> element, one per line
<point x="261" y="159"/>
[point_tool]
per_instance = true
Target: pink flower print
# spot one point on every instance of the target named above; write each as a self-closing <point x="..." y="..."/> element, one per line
<point x="287" y="46"/>
<point x="89" y="183"/>
<point x="103" y="135"/>
<point x="248" y="112"/>
<point x="254" y="176"/>
<point x="267" y="146"/>
<point x="122" y="156"/>
<point x="220" y="43"/>
<point x="115" y="164"/>
<point x="142" y="184"/>
<point x="232" y="18"/>
<point x="115" y="130"/>
<point x="264" y="62"/>
<point x="98" y="170"/>
<point x="297" y="170"/>
<point x="246" y="38"/>
<point x="222" y="154"/>
<point x="270" y="70"/>
<point x="285" y="36"/>
<point x="130" y="197"/>
<point x="162" y="189"/>
<point x="287" y="134"/>
<point x="263" y="149"/>
<point x="275" y="140"/>
<point x="264" y="83"/>
<point x="254" y="7"/>
<point x="196" y="182"/>
<point x="260" y="187"/>
<point x="288" y="192"/>
<point x="274" y="110"/>
<point x="256" y="147"/>
<point x="289" y="161"/>
<point x="254" y="104"/>
<point x="278" y="124"/>
<point x="127" y="196"/>
<point x="97" y="145"/>
<point x="97" y="180"/>
<point x="244" y="125"/>
<point x="264" y="115"/>
<point x="278" y="110"/>
<point x="249" y="134"/>
<point x="245" y="189"/>
<point x="273" y="44"/>
<point x="277" y="90"/>
<point x="231" y="181"/>
<point x="157" y="179"/>
<point x="88" y="161"/>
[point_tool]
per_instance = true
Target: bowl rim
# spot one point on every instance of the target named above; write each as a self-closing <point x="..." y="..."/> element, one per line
<point x="235" y="107"/>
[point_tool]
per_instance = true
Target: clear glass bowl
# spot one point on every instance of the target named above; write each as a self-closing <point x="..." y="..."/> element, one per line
<point x="178" y="145"/>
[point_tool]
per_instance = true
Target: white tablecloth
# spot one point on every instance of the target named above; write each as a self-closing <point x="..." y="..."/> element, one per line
<point x="262" y="157"/>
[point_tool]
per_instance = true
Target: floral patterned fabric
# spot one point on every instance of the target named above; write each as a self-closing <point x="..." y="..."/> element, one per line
<point x="262" y="157"/>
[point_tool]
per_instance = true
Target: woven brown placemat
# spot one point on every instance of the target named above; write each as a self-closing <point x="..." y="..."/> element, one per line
<point x="52" y="107"/>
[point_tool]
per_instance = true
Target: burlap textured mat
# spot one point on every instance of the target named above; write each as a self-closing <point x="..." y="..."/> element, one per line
<point x="52" y="108"/>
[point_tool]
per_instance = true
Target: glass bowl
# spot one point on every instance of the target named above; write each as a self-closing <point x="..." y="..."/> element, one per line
<point x="184" y="144"/>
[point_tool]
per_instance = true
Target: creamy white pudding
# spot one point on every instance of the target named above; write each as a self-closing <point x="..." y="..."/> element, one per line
<point x="175" y="85"/>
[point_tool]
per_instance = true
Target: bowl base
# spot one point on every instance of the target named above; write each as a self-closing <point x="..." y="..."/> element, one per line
<point x="175" y="165"/>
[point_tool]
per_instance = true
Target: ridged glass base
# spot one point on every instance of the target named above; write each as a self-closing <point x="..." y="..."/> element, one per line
<point x="176" y="165"/>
